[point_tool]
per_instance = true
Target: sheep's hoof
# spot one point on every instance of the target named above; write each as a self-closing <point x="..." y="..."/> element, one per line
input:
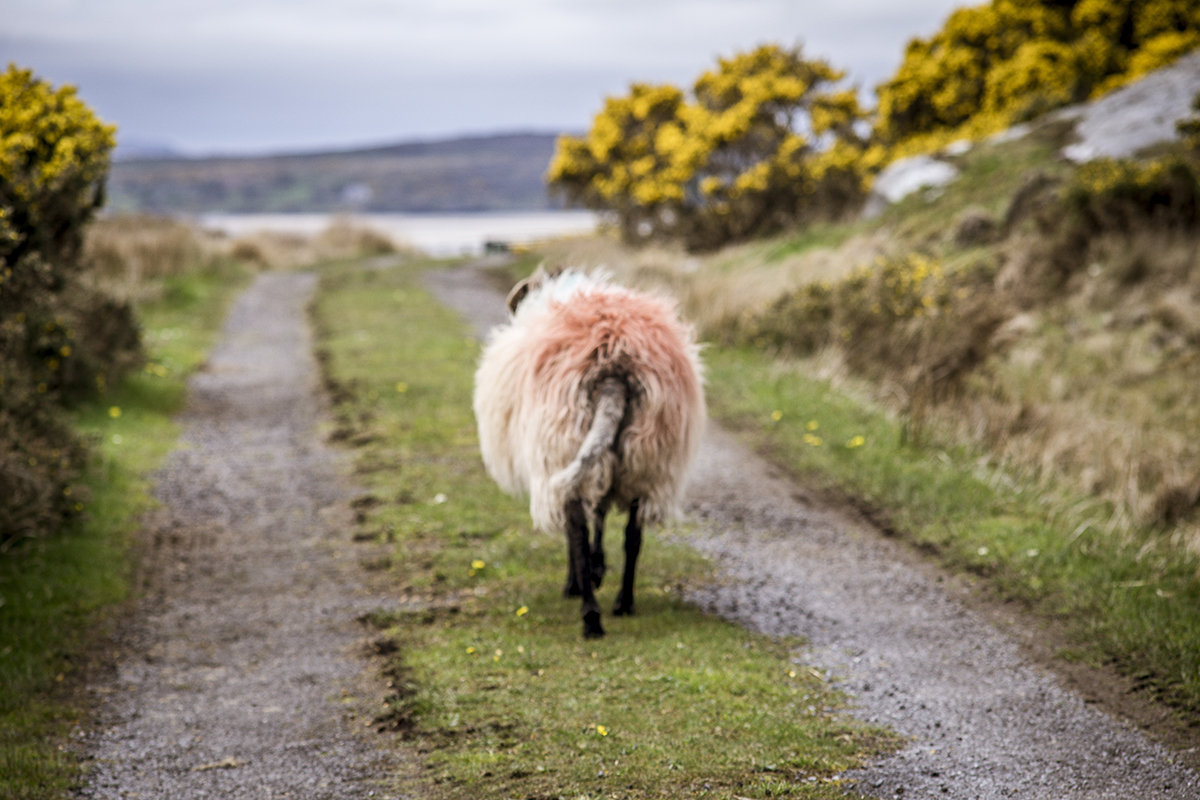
<point x="571" y="589"/>
<point x="621" y="608"/>
<point x="591" y="625"/>
<point x="597" y="574"/>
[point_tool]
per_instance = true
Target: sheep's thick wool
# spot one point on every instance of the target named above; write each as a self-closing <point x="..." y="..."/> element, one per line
<point x="534" y="397"/>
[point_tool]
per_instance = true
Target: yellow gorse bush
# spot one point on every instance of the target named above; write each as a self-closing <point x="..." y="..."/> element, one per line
<point x="50" y="142"/>
<point x="1117" y="193"/>
<point x="760" y="139"/>
<point x="59" y="337"/>
<point x="1008" y="60"/>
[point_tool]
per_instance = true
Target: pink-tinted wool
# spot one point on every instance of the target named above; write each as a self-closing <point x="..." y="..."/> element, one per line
<point x="534" y="387"/>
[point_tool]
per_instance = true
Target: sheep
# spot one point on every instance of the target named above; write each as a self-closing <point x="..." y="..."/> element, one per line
<point x="590" y="397"/>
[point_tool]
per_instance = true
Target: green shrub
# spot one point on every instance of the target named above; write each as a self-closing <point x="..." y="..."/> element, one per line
<point x="1119" y="193"/>
<point x="59" y="340"/>
<point x="763" y="142"/>
<point x="904" y="320"/>
<point x="1006" y="61"/>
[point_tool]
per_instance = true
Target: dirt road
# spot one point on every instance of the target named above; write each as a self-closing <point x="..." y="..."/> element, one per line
<point x="983" y="721"/>
<point x="237" y="676"/>
<point x="240" y="676"/>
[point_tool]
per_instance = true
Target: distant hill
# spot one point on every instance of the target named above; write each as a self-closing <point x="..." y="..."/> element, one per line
<point x="486" y="173"/>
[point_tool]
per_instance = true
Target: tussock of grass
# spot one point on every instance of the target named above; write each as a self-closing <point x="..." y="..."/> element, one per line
<point x="491" y="678"/>
<point x="55" y="590"/>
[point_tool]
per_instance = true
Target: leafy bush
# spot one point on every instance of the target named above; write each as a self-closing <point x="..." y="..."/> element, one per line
<point x="763" y="142"/>
<point x="1119" y="193"/>
<point x="1010" y="60"/>
<point x="900" y="319"/>
<point x="59" y="340"/>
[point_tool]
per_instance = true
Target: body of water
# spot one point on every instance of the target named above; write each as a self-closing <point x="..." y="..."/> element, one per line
<point x="440" y="235"/>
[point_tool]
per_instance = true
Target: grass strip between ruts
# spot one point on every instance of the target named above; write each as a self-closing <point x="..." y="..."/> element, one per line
<point x="490" y="676"/>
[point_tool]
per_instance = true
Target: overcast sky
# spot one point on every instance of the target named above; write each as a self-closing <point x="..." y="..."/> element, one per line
<point x="253" y="76"/>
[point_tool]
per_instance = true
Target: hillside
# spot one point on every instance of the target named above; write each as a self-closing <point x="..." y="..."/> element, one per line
<point x="491" y="173"/>
<point x="1030" y="327"/>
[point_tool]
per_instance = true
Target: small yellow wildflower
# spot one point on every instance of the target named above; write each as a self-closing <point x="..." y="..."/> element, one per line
<point x="522" y="611"/>
<point x="812" y="425"/>
<point x="777" y="415"/>
<point x="857" y="441"/>
<point x="470" y="651"/>
<point x="603" y="731"/>
<point x="477" y="564"/>
<point x="401" y="387"/>
<point x="114" y="411"/>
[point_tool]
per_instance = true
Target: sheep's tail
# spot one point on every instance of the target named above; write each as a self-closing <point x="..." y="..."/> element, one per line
<point x="589" y="475"/>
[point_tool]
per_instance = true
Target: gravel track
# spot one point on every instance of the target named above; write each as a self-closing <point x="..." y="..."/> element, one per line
<point x="984" y="722"/>
<point x="238" y="673"/>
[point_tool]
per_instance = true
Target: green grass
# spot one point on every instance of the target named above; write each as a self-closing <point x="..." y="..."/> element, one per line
<point x="990" y="174"/>
<point x="56" y="592"/>
<point x="491" y="677"/>
<point x="1135" y="604"/>
<point x="815" y="235"/>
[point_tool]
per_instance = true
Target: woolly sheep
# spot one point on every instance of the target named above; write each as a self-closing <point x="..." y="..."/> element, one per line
<point x="590" y="397"/>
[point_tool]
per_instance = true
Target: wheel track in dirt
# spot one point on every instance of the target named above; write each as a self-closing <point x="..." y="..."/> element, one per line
<point x="983" y="720"/>
<point x="237" y="673"/>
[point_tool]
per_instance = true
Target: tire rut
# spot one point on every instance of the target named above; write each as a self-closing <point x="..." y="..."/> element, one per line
<point x="237" y="673"/>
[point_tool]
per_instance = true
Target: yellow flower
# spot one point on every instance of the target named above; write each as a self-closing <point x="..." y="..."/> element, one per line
<point x="522" y="611"/>
<point x="857" y="441"/>
<point x="812" y="425"/>
<point x="477" y="564"/>
<point x="470" y="651"/>
<point x="114" y="411"/>
<point x="777" y="415"/>
<point x="401" y="387"/>
<point x="603" y="731"/>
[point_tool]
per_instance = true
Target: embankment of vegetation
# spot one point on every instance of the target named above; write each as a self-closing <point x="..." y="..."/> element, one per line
<point x="1011" y="363"/>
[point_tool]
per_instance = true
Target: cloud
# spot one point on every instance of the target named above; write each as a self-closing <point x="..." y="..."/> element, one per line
<point x="255" y="74"/>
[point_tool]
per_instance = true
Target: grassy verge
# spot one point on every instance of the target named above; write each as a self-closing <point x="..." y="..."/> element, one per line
<point x="490" y="675"/>
<point x="1132" y="602"/>
<point x="55" y="591"/>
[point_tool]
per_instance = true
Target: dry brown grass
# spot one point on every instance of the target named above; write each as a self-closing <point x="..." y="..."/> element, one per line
<point x="717" y="287"/>
<point x="129" y="256"/>
<point x="1083" y="379"/>
<point x="1097" y="388"/>
<point x="342" y="239"/>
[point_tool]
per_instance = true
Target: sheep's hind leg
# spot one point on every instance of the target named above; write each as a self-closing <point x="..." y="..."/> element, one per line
<point x="598" y="566"/>
<point x="577" y="543"/>
<point x="633" y="546"/>
<point x="571" y="587"/>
